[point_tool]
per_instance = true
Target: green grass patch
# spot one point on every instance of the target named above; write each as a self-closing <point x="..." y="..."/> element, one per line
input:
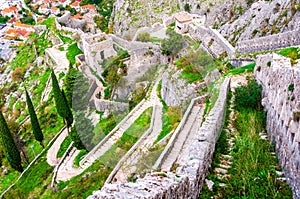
<point x="65" y="39"/>
<point x="82" y="185"/>
<point x="26" y="54"/>
<point x="73" y="50"/>
<point x="103" y="128"/>
<point x="253" y="170"/>
<point x="191" y="77"/>
<point x="171" y="118"/>
<point x="50" y="23"/>
<point x="8" y="179"/>
<point x="195" y="65"/>
<point x="79" y="157"/>
<point x="248" y="68"/>
<point x="63" y="147"/>
<point x="292" y="53"/>
<point x="34" y="182"/>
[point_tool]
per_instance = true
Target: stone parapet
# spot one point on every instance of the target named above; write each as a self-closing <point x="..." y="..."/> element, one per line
<point x="271" y="42"/>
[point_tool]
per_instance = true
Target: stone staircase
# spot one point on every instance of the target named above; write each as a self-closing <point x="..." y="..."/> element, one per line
<point x="182" y="136"/>
<point x="191" y="126"/>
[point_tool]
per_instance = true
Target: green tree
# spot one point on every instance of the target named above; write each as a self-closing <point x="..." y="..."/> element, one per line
<point x="69" y="84"/>
<point x="69" y="117"/>
<point x="82" y="132"/>
<point x="187" y="7"/>
<point x="10" y="148"/>
<point x="172" y="45"/>
<point x="37" y="132"/>
<point x="61" y="102"/>
<point x="80" y="96"/>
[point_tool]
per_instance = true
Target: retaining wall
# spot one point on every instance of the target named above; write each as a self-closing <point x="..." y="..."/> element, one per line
<point x="271" y="42"/>
<point x="103" y="105"/>
<point x="132" y="149"/>
<point x="188" y="179"/>
<point x="91" y="154"/>
<point x="199" y="32"/>
<point x="178" y="130"/>
<point x="282" y="103"/>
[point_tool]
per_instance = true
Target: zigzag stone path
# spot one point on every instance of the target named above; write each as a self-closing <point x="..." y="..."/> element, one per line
<point x="66" y="171"/>
<point x="128" y="166"/>
<point x="52" y="160"/>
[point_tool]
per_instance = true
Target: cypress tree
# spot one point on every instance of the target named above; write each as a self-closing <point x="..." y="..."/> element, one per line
<point x="69" y="117"/>
<point x="61" y="102"/>
<point x="82" y="132"/>
<point x="10" y="148"/>
<point x="37" y="132"/>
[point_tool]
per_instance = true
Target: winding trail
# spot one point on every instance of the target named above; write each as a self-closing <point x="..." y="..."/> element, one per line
<point x="127" y="165"/>
<point x="66" y="170"/>
<point x="52" y="160"/>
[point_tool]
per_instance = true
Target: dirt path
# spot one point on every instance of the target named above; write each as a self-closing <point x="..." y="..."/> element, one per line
<point x="51" y="154"/>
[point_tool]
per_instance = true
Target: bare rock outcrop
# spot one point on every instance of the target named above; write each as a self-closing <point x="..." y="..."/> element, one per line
<point x="175" y="90"/>
<point x="263" y="18"/>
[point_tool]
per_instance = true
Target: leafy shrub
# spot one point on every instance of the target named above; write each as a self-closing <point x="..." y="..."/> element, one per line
<point x="291" y="87"/>
<point x="187" y="7"/>
<point x="248" y="96"/>
<point x="18" y="74"/>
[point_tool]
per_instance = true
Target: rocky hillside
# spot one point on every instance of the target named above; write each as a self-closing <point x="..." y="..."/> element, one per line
<point x="263" y="18"/>
<point x="129" y="15"/>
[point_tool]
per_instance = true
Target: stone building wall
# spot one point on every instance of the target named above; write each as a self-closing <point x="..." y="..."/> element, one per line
<point x="67" y="21"/>
<point x="188" y="179"/>
<point x="96" y="48"/>
<point x="281" y="100"/>
<point x="104" y="105"/>
<point x="281" y="40"/>
<point x="211" y="40"/>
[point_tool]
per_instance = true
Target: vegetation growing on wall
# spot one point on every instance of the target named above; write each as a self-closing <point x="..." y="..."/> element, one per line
<point x="252" y="173"/>
<point x="195" y="65"/>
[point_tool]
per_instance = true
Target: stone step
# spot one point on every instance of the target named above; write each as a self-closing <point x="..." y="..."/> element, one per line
<point x="224" y="166"/>
<point x="226" y="156"/>
<point x="221" y="170"/>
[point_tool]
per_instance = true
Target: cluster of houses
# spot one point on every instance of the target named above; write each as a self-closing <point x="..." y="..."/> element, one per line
<point x="53" y="7"/>
<point x="14" y="31"/>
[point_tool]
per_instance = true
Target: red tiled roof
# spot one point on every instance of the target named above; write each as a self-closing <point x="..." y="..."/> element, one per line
<point x="90" y="7"/>
<point x="75" y="4"/>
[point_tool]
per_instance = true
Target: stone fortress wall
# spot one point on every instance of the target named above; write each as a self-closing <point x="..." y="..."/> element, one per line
<point x="271" y="42"/>
<point x="65" y="22"/>
<point x="97" y="48"/>
<point x="281" y="100"/>
<point x="222" y="41"/>
<point x="189" y="178"/>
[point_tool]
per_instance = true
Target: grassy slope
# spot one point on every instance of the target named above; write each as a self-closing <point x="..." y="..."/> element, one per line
<point x="94" y="177"/>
